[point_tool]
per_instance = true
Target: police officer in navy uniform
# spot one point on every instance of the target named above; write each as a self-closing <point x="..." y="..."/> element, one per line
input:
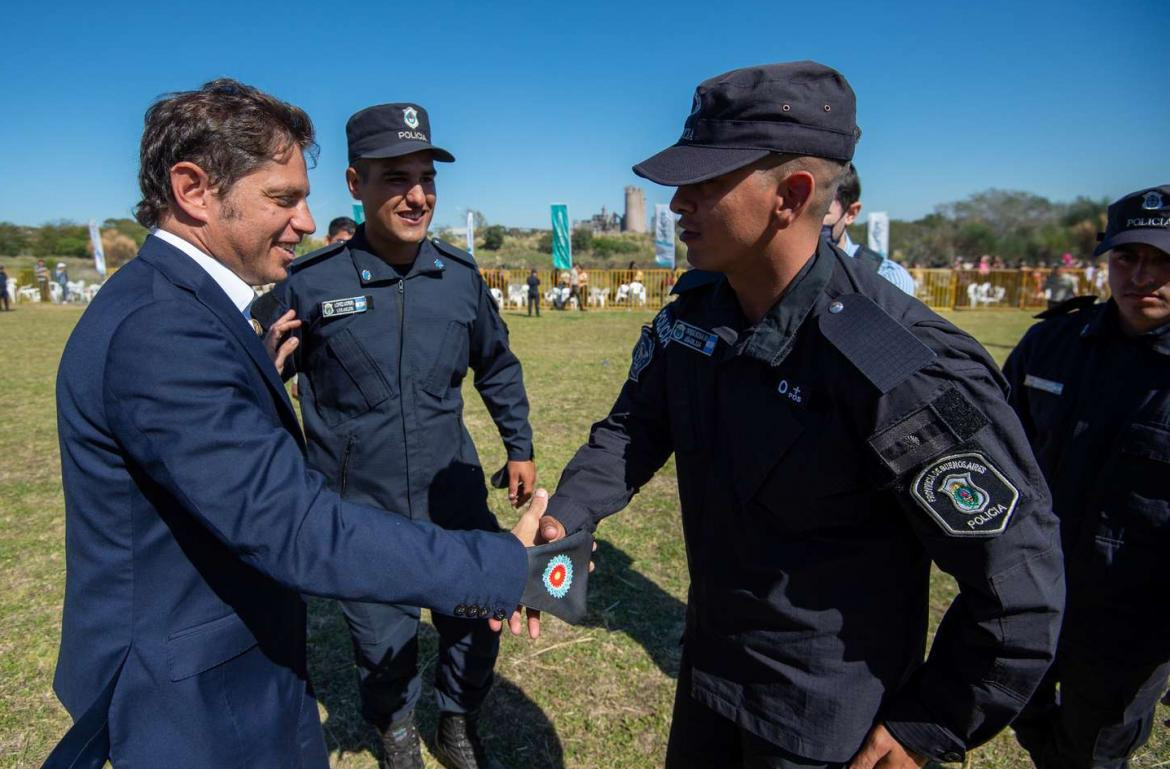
<point x="833" y="437"/>
<point x="1091" y="384"/>
<point x="392" y="321"/>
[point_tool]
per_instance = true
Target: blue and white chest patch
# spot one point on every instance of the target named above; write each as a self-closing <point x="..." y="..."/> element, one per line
<point x="698" y="339"/>
<point x="643" y="354"/>
<point x="349" y="306"/>
<point x="1046" y="385"/>
<point x="966" y="495"/>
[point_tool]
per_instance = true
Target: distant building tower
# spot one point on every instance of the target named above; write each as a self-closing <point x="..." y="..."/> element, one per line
<point x="635" y="218"/>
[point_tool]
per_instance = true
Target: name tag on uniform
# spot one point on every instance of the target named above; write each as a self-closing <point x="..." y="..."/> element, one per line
<point x="698" y="339"/>
<point x="349" y="306"/>
<point x="1047" y="385"/>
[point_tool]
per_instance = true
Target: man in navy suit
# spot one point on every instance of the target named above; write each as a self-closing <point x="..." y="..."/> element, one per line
<point x="192" y="522"/>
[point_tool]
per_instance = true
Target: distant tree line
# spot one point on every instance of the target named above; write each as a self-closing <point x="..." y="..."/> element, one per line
<point x="120" y="240"/>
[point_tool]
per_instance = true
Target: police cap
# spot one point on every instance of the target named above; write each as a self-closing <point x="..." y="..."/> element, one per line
<point x="390" y="131"/>
<point x="1139" y="217"/>
<point x="796" y="108"/>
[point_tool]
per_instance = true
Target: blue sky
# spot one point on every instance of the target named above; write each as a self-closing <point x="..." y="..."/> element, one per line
<point x="544" y="102"/>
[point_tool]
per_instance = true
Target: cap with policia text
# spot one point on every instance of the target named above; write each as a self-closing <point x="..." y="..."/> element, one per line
<point x="390" y="131"/>
<point x="1140" y="217"/>
<point x="796" y="108"/>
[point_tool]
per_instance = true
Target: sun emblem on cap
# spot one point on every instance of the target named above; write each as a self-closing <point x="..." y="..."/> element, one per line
<point x="558" y="576"/>
<point x="1152" y="201"/>
<point x="410" y="117"/>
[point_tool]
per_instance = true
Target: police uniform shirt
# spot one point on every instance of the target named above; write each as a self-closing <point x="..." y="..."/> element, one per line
<point x="382" y="358"/>
<point x="1095" y="404"/>
<point x="825" y="456"/>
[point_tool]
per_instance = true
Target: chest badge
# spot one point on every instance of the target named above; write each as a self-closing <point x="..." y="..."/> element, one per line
<point x="698" y="339"/>
<point x="349" y="306"/>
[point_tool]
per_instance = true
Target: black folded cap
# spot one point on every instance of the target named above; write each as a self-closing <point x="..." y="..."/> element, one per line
<point x="796" y="108"/>
<point x="558" y="575"/>
<point x="390" y="131"/>
<point x="1139" y="217"/>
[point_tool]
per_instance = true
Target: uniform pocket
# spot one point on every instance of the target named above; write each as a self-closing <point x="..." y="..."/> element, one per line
<point x="200" y="648"/>
<point x="345" y="379"/>
<point x="449" y="363"/>
<point x="1144" y="475"/>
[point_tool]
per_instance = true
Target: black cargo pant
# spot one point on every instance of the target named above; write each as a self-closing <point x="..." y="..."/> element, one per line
<point x="1101" y="716"/>
<point x="533" y="301"/>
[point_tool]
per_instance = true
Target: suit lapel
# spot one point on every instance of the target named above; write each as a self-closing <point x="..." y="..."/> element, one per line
<point x="184" y="272"/>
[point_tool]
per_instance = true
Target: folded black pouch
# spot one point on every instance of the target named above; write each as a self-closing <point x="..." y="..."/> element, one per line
<point x="558" y="576"/>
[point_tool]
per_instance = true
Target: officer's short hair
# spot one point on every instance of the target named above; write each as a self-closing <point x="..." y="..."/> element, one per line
<point x="849" y="187"/>
<point x="226" y="128"/>
<point x="342" y="223"/>
<point x="827" y="173"/>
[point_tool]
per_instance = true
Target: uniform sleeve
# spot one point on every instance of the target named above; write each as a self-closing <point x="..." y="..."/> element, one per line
<point x="498" y="377"/>
<point x="183" y="403"/>
<point x="969" y="485"/>
<point x="1015" y="370"/>
<point x="624" y="450"/>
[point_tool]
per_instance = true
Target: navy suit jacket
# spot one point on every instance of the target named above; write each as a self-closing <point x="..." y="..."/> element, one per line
<point x="193" y="525"/>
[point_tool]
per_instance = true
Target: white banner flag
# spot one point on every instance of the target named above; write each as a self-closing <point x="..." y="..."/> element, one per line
<point x="878" y="230"/>
<point x="663" y="235"/>
<point x="471" y="232"/>
<point x="99" y="255"/>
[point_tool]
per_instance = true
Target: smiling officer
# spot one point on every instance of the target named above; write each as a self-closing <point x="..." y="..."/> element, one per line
<point x="392" y="323"/>
<point x="832" y="437"/>
<point x="1092" y="387"/>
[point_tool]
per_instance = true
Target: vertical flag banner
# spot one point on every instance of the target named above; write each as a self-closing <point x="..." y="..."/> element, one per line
<point x="663" y="235"/>
<point x="471" y="232"/>
<point x="359" y="213"/>
<point x="878" y="230"/>
<point x="99" y="256"/>
<point x="562" y="252"/>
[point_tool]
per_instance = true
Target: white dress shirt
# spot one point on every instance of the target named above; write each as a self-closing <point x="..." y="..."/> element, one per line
<point x="239" y="292"/>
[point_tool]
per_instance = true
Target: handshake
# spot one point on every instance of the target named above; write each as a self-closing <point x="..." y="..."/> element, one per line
<point x="558" y="569"/>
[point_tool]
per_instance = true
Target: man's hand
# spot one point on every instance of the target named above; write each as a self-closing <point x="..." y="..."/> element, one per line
<point x="526" y="530"/>
<point x="521" y="481"/>
<point x="881" y="751"/>
<point x="275" y="342"/>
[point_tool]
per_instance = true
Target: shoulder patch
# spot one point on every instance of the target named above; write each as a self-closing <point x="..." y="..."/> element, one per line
<point x="315" y="256"/>
<point x="881" y="348"/>
<point x="643" y="354"/>
<point x="939" y="426"/>
<point x="693" y="279"/>
<point x="1067" y="306"/>
<point x="664" y="324"/>
<point x="966" y="495"/>
<point x="458" y="254"/>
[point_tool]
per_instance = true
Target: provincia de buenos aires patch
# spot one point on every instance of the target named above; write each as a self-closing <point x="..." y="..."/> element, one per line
<point x="966" y="495"/>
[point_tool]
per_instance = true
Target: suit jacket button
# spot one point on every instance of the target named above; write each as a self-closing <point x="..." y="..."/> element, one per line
<point x="460" y="610"/>
<point x="484" y="612"/>
<point x="501" y="615"/>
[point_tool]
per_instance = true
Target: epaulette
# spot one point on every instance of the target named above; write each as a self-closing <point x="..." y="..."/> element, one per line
<point x="882" y="349"/>
<point x="1067" y="306"/>
<point x="315" y="256"/>
<point x="693" y="279"/>
<point x="458" y="254"/>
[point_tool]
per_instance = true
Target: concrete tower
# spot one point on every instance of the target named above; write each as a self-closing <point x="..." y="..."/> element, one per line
<point x="635" y="218"/>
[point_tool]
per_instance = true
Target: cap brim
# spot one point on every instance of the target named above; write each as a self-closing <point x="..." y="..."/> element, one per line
<point x="1159" y="239"/>
<point x="690" y="164"/>
<point x="398" y="149"/>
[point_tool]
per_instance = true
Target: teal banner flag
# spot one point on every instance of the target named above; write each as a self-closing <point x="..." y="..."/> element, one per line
<point x="359" y="213"/>
<point x="562" y="251"/>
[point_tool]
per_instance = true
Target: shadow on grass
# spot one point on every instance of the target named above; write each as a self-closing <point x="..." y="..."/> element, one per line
<point x="535" y="745"/>
<point x="625" y="601"/>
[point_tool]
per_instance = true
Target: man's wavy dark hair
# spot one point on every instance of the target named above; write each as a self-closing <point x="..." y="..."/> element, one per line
<point x="226" y="128"/>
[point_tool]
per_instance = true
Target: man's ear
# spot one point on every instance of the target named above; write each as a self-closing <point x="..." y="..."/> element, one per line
<point x="353" y="180"/>
<point x="192" y="190"/>
<point x="852" y="212"/>
<point x="793" y="196"/>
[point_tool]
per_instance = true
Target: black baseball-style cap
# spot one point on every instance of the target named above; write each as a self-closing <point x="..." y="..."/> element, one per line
<point x="797" y="108"/>
<point x="1139" y="217"/>
<point x="390" y="131"/>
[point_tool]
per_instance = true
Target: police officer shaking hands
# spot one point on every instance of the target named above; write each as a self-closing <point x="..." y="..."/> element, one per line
<point x="392" y="322"/>
<point x="832" y="437"/>
<point x="1091" y="384"/>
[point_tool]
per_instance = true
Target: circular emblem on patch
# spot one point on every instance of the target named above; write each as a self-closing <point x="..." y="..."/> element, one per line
<point x="410" y="117"/>
<point x="558" y="576"/>
<point x="327" y="309"/>
<point x="966" y="495"/>
<point x="1152" y="201"/>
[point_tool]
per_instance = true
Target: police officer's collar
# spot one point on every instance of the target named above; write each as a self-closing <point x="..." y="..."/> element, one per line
<point x="1106" y="323"/>
<point x="371" y="268"/>
<point x="770" y="340"/>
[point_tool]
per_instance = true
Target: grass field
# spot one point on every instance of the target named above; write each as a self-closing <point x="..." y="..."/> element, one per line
<point x="593" y="696"/>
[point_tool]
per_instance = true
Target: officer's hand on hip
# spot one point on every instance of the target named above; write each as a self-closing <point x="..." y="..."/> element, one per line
<point x="277" y="341"/>
<point x="527" y="530"/>
<point x="521" y="481"/>
<point x="881" y="751"/>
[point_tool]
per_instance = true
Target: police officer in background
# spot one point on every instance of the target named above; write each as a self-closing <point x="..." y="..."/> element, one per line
<point x="832" y="438"/>
<point x="1091" y="384"/>
<point x="340" y="229"/>
<point x="842" y="213"/>
<point x="391" y="323"/>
